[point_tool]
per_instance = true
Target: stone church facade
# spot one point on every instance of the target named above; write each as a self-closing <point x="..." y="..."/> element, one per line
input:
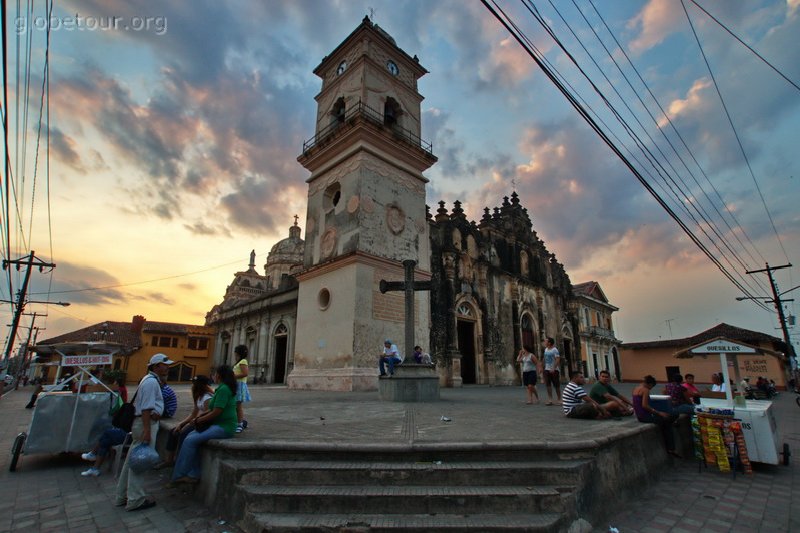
<point x="316" y="318"/>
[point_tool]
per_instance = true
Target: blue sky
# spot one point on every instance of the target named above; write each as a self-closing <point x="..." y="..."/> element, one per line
<point x="173" y="148"/>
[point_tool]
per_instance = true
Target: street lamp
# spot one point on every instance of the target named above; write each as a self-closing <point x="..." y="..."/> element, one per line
<point x="62" y="304"/>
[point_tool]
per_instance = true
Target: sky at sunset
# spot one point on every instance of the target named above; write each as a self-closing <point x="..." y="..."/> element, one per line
<point x="174" y="129"/>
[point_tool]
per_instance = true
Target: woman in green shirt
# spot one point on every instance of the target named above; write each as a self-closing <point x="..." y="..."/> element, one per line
<point x="221" y="415"/>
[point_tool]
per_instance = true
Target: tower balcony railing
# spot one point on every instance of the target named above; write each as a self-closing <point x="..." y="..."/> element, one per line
<point x="366" y="113"/>
<point x="603" y="333"/>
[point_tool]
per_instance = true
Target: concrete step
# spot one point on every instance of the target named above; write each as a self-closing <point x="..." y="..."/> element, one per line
<point x="421" y="523"/>
<point x="524" y="473"/>
<point x="243" y="449"/>
<point x="403" y="500"/>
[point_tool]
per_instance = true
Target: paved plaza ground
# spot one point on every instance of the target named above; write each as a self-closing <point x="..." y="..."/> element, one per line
<point x="48" y="494"/>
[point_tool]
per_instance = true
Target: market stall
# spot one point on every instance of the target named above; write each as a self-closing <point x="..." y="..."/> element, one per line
<point x="757" y="418"/>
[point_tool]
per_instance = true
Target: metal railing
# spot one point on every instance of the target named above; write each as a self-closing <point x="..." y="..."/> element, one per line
<point x="596" y="331"/>
<point x="362" y="111"/>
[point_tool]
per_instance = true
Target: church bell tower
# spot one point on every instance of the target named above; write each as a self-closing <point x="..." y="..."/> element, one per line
<point x="366" y="213"/>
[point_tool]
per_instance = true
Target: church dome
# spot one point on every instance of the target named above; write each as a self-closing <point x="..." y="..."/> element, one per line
<point x="289" y="250"/>
<point x="285" y="258"/>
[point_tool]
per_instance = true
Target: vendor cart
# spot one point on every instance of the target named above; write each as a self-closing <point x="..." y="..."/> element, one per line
<point x="757" y="418"/>
<point x="64" y="421"/>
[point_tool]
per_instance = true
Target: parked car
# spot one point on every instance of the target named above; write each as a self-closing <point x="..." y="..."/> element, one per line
<point x="8" y="379"/>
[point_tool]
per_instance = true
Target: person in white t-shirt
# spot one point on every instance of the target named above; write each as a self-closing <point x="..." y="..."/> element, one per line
<point x="717" y="384"/>
<point x="390" y="356"/>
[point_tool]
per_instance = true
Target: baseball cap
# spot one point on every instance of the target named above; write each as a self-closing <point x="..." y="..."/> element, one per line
<point x="160" y="358"/>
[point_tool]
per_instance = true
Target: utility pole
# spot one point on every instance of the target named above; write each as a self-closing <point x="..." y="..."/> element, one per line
<point x="776" y="299"/>
<point x="23" y="363"/>
<point x="29" y="261"/>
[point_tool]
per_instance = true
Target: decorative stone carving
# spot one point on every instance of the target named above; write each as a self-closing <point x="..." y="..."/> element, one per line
<point x="352" y="204"/>
<point x="367" y="204"/>
<point x="328" y="243"/>
<point x="395" y="219"/>
<point x="310" y="225"/>
<point x="420" y="224"/>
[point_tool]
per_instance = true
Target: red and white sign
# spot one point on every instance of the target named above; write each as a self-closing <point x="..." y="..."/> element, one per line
<point x="86" y="360"/>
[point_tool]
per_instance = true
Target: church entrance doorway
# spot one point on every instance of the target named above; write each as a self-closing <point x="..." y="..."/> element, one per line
<point x="466" y="346"/>
<point x="281" y="344"/>
<point x="617" y="372"/>
<point x="567" y="360"/>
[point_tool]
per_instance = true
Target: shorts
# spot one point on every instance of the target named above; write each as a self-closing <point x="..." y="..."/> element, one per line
<point x="242" y="393"/>
<point x="552" y="377"/>
<point x="529" y="378"/>
<point x="584" y="411"/>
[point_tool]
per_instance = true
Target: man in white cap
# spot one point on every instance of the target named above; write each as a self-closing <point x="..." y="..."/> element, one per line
<point x="148" y="403"/>
<point x="390" y="356"/>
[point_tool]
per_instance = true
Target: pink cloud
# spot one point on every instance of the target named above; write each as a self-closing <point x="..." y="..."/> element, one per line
<point x="655" y="22"/>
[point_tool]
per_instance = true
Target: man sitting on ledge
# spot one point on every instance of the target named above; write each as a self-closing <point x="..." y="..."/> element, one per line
<point x="607" y="396"/>
<point x="420" y="357"/>
<point x="390" y="356"/>
<point x="576" y="403"/>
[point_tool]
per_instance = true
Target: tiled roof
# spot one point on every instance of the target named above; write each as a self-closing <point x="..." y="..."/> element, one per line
<point x="165" y="327"/>
<point x="119" y="332"/>
<point x="720" y="330"/>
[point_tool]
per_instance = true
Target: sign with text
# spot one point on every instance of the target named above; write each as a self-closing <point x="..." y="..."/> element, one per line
<point x="86" y="360"/>
<point x="723" y="346"/>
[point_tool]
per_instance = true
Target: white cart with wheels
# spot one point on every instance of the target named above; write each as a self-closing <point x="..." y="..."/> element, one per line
<point x="758" y="420"/>
<point x="65" y="422"/>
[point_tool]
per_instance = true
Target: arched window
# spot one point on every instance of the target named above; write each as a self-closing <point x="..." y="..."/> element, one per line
<point x="338" y="111"/>
<point x="391" y="112"/>
<point x="528" y="335"/>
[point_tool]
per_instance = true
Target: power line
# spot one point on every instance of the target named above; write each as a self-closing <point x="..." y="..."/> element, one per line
<point x="87" y="289"/>
<point x="735" y="132"/>
<point x="675" y="130"/>
<point x="654" y="161"/>
<point x="770" y="65"/>
<point x="674" y="187"/>
<point x="524" y="41"/>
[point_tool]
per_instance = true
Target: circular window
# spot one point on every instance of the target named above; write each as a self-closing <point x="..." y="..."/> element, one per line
<point x="332" y="196"/>
<point x="324" y="299"/>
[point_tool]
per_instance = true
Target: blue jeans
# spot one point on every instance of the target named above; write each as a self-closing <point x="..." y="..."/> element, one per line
<point x="110" y="437"/>
<point x="391" y="361"/>
<point x="188" y="462"/>
<point x="684" y="408"/>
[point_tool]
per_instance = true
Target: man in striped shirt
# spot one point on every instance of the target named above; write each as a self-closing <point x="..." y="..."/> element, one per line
<point x="576" y="403"/>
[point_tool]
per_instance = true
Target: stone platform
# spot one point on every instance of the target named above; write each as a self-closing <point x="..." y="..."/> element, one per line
<point x="410" y="383"/>
<point x="478" y="459"/>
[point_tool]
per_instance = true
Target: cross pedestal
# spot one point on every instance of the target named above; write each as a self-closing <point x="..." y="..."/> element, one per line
<point x="411" y="382"/>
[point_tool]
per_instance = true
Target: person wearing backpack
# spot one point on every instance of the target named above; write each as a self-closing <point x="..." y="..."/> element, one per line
<point x="148" y="403"/>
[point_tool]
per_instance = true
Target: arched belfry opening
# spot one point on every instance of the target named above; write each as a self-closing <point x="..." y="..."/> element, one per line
<point x="338" y="111"/>
<point x="391" y="112"/>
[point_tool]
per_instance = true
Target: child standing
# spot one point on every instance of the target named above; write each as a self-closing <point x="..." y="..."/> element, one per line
<point x="240" y="371"/>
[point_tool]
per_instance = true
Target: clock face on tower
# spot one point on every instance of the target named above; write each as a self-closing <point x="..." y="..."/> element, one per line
<point x="391" y="66"/>
<point x="342" y="68"/>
